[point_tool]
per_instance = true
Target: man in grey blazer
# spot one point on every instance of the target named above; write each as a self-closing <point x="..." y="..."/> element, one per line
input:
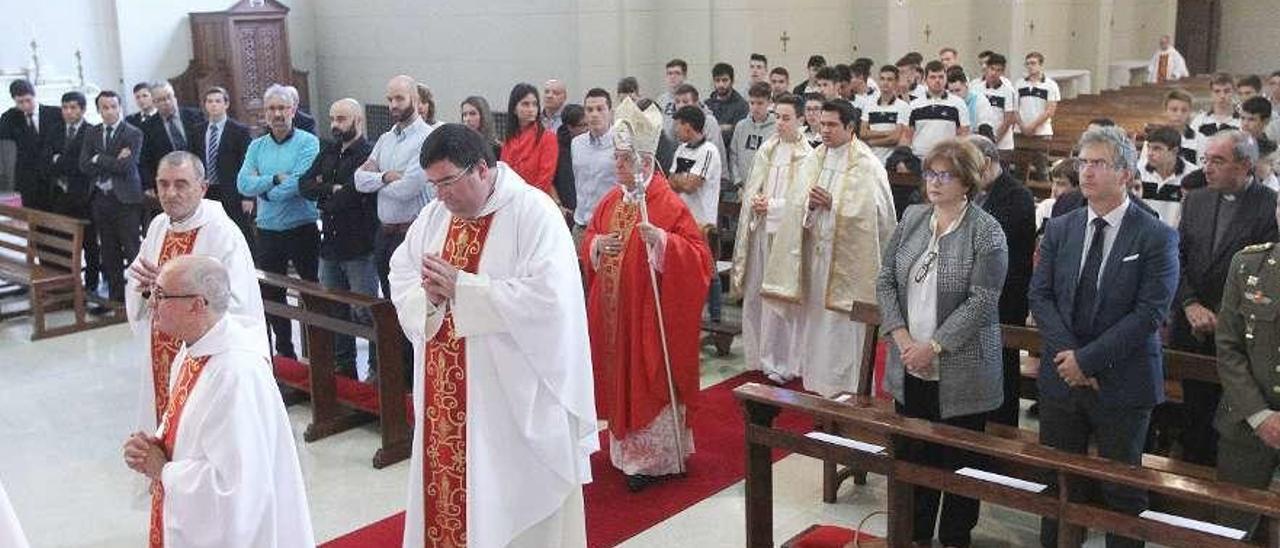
<point x="109" y="158"/>
<point x="1101" y="372"/>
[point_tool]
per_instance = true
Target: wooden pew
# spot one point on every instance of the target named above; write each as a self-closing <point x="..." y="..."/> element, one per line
<point x="340" y="403"/>
<point x="761" y="404"/>
<point x="43" y="252"/>
<point x="1178" y="366"/>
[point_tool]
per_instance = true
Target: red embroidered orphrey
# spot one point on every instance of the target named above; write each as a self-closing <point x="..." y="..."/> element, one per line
<point x="163" y="346"/>
<point x="444" y="437"/>
<point x="187" y="377"/>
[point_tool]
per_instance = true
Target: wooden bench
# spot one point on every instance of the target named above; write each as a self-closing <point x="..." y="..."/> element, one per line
<point x="43" y="252"/>
<point x="1178" y="366"/>
<point x="762" y="404"/>
<point x="340" y="403"/>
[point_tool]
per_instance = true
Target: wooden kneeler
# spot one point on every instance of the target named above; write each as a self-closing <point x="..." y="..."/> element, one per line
<point x="832" y="474"/>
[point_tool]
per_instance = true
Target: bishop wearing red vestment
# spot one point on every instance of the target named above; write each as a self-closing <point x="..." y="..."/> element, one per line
<point x="625" y="257"/>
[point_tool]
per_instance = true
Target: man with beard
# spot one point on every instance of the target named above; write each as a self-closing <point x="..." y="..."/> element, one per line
<point x="394" y="174"/>
<point x="349" y="218"/>
<point x="286" y="221"/>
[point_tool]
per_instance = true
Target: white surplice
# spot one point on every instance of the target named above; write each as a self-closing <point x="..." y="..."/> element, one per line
<point x="828" y="344"/>
<point x="530" y="409"/>
<point x="234" y="478"/>
<point x="221" y="239"/>
<point x="10" y="530"/>
<point x="768" y="328"/>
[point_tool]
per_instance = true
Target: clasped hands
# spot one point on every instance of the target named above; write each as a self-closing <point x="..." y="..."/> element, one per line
<point x="611" y="244"/>
<point x="917" y="356"/>
<point x="439" y="278"/>
<point x="145" y="273"/>
<point x="1070" y="372"/>
<point x="145" y="455"/>
<point x="819" y="198"/>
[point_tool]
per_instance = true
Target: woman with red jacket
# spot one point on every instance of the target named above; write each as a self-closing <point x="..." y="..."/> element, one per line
<point x="530" y="149"/>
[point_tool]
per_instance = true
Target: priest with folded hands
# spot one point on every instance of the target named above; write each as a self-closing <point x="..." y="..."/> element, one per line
<point x="223" y="465"/>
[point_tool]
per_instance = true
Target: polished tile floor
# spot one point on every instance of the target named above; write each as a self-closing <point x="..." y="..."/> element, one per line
<point x="68" y="403"/>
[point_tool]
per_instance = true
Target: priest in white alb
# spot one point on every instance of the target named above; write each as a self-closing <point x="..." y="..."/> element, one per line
<point x="767" y="330"/>
<point x="189" y="225"/>
<point x="223" y="466"/>
<point x="839" y="215"/>
<point x="487" y="288"/>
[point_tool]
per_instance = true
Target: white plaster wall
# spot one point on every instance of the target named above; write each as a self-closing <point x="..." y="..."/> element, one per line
<point x="60" y="28"/>
<point x="1248" y="38"/>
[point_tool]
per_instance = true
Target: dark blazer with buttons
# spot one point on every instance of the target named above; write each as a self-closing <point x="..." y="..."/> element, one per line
<point x="156" y="141"/>
<point x="1138" y="282"/>
<point x="98" y="161"/>
<point x="64" y="162"/>
<point x="30" y="164"/>
<point x="233" y="143"/>
<point x="1203" y="269"/>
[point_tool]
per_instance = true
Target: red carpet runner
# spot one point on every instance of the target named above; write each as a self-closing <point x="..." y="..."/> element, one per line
<point x="615" y="514"/>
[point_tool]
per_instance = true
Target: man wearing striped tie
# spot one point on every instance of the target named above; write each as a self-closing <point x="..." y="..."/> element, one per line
<point x="221" y="143"/>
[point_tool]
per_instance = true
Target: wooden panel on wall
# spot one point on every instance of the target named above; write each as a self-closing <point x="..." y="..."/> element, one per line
<point x="244" y="49"/>
<point x="1198" y="28"/>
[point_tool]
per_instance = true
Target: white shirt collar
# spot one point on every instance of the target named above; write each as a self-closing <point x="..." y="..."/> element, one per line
<point x="1114" y="217"/>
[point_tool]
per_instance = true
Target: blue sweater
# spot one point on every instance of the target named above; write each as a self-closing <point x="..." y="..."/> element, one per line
<point x="280" y="207"/>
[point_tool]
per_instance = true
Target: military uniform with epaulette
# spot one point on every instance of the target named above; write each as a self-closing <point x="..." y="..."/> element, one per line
<point x="1248" y="341"/>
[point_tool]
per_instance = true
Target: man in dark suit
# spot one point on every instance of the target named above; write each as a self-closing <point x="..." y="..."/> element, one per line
<point x="1232" y="212"/>
<point x="221" y="144"/>
<point x="172" y="128"/>
<point x="146" y="110"/>
<point x="109" y="158"/>
<point x="72" y="189"/>
<point x="1101" y="372"/>
<point x="31" y="126"/>
<point x="1011" y="204"/>
<point x="304" y="121"/>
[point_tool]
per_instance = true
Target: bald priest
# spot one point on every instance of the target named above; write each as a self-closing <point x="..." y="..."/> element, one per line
<point x="223" y="465"/>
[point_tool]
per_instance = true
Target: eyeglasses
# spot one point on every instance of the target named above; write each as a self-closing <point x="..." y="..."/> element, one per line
<point x="450" y="180"/>
<point x="928" y="265"/>
<point x="157" y="295"/>
<point x="942" y="177"/>
<point x="1092" y="163"/>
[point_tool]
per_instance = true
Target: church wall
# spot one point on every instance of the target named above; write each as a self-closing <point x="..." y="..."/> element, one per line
<point x="1247" y="43"/>
<point x="460" y="47"/>
<point x="59" y="29"/>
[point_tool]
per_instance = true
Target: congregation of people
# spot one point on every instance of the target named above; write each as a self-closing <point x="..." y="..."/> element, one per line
<point x="543" y="260"/>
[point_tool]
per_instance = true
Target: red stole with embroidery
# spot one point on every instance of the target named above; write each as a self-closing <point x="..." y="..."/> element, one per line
<point x="444" y="420"/>
<point x="187" y="377"/>
<point x="163" y="346"/>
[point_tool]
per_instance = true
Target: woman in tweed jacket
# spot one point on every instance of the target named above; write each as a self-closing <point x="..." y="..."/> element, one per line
<point x="939" y="293"/>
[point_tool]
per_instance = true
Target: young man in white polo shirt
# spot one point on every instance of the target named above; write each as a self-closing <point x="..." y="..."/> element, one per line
<point x="1038" y="98"/>
<point x="884" y="120"/>
<point x="936" y="116"/>
<point x="1003" y="115"/>
<point x="1222" y="116"/>
<point x="1160" y="174"/>
<point x="695" y="176"/>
